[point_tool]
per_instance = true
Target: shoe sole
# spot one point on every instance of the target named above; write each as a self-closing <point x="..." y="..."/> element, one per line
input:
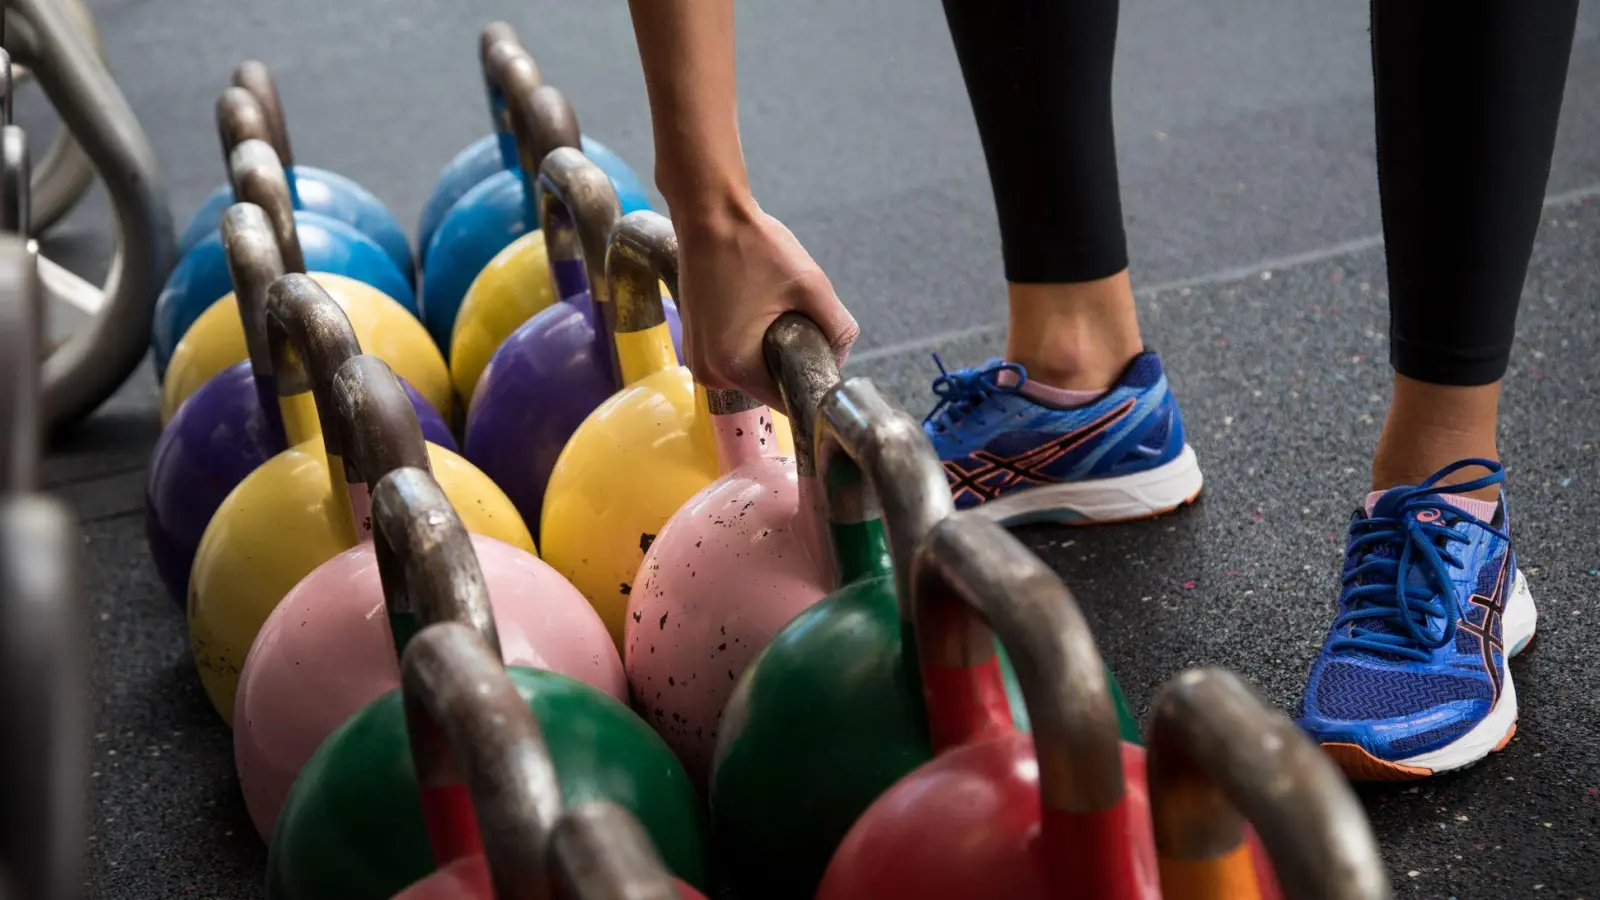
<point x="1103" y="501"/>
<point x="1489" y="736"/>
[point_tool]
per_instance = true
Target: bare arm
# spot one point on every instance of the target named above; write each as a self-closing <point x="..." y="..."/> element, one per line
<point x="687" y="47"/>
<point x="738" y="268"/>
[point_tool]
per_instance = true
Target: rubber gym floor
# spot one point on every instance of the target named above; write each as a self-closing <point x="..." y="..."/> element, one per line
<point x="1246" y="138"/>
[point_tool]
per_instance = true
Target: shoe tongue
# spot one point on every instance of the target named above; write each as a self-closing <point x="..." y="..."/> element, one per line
<point x="1386" y="504"/>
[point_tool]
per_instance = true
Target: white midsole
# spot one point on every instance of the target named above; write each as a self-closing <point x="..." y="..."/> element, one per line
<point x="1135" y="496"/>
<point x="1516" y="630"/>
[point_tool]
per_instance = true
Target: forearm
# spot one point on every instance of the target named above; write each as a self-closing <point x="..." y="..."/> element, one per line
<point x="687" y="47"/>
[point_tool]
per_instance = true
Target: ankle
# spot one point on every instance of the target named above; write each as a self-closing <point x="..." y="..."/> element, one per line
<point x="1077" y="337"/>
<point x="1431" y="426"/>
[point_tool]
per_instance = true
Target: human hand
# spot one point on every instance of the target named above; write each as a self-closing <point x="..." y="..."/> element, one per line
<point x="738" y="270"/>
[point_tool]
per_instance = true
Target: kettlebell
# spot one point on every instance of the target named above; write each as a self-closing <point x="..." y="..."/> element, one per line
<point x="1067" y="811"/>
<point x="353" y="826"/>
<point x="232" y="424"/>
<point x="517" y="283"/>
<point x="322" y="655"/>
<point x="644" y="451"/>
<point x="479" y="751"/>
<point x="488" y="217"/>
<point x="556" y="368"/>
<point x="496" y="152"/>
<point x="737" y="561"/>
<point x="312" y="190"/>
<point x="327" y="245"/>
<point x="785" y="790"/>
<point x="299" y="509"/>
<point x="217" y="338"/>
<point x="44" y="629"/>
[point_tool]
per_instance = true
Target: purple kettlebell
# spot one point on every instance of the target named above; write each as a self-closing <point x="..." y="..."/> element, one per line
<point x="232" y="424"/>
<point x="559" y="365"/>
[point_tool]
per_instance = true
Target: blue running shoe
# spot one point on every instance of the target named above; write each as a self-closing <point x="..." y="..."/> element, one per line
<point x="1413" y="678"/>
<point x="1006" y="444"/>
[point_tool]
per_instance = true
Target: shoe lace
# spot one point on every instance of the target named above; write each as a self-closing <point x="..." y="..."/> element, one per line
<point x="1401" y="599"/>
<point x="962" y="393"/>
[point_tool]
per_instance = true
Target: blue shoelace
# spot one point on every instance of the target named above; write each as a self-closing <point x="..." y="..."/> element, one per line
<point x="963" y="392"/>
<point x="1403" y="602"/>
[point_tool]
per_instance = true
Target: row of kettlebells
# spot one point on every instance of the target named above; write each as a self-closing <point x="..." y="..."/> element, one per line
<point x="754" y="572"/>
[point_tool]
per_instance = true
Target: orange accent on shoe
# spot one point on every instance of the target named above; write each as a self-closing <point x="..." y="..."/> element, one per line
<point x="1359" y="765"/>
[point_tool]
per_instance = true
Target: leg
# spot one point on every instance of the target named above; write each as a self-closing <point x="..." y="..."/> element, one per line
<point x="1038" y="73"/>
<point x="1078" y="414"/>
<point x="1413" y="679"/>
<point x="1467" y="101"/>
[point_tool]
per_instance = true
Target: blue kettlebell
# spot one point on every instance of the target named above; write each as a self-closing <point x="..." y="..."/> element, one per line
<point x="311" y="189"/>
<point x="485" y="198"/>
<point x="201" y="277"/>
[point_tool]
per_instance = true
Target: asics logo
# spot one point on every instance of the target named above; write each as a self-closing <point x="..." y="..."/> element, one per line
<point x="996" y="474"/>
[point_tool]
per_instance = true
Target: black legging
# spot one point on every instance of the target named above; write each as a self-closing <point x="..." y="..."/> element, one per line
<point x="1468" y="95"/>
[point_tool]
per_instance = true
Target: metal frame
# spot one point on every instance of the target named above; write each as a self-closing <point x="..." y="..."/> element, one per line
<point x="89" y="367"/>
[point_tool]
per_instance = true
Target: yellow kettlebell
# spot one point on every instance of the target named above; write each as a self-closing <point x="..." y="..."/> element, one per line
<point x="516" y="284"/>
<point x="385" y="328"/>
<point x="645" y="451"/>
<point x="299" y="509"/>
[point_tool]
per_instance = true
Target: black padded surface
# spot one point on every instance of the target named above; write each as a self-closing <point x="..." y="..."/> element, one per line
<point x="1245" y="130"/>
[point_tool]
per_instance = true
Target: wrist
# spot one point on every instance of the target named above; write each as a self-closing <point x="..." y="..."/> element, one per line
<point x="709" y="206"/>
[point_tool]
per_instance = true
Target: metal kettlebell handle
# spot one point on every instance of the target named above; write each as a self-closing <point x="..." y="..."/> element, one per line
<point x="874" y="460"/>
<point x="8" y="85"/>
<point x="539" y="117"/>
<point x="578" y="207"/>
<point x="470" y="728"/>
<point x="309" y="338"/>
<point x="43" y="634"/>
<point x="429" y="568"/>
<point x="81" y="373"/>
<point x="641" y="252"/>
<point x="1220" y="754"/>
<point x="254" y="263"/>
<point x="254" y="76"/>
<point x="379" y="429"/>
<point x="239" y="118"/>
<point x="15" y="172"/>
<point x="802" y="363"/>
<point x="259" y="177"/>
<point x="970" y="572"/>
<point x="600" y="851"/>
<point x="21" y="340"/>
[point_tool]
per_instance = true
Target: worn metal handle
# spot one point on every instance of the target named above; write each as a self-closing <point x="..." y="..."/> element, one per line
<point x="1220" y="754"/>
<point x="90" y="366"/>
<point x="600" y="852"/>
<point x="309" y="337"/>
<point x="802" y="363"/>
<point x="429" y="568"/>
<point x="469" y="727"/>
<point x="874" y="461"/>
<point x="21" y="339"/>
<point x="379" y="427"/>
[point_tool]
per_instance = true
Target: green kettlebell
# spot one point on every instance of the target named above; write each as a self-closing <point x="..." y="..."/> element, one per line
<point x="831" y="714"/>
<point x="354" y="826"/>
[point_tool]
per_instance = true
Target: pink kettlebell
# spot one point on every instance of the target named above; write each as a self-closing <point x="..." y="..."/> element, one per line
<point x="328" y="649"/>
<point x="738" y="561"/>
<point x="476" y="743"/>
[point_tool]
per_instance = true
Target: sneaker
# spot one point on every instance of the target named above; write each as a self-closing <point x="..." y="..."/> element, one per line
<point x="1015" y="447"/>
<point x="1413" y="678"/>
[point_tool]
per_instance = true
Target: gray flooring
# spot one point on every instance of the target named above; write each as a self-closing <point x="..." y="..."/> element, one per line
<point x="1245" y="130"/>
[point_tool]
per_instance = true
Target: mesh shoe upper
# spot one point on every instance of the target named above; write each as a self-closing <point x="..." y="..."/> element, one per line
<point x="993" y="438"/>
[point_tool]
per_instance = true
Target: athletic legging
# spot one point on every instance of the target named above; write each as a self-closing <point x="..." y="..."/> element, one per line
<point x="1468" y="95"/>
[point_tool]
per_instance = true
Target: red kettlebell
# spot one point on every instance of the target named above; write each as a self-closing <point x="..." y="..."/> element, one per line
<point x="495" y="820"/>
<point x="1065" y="813"/>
